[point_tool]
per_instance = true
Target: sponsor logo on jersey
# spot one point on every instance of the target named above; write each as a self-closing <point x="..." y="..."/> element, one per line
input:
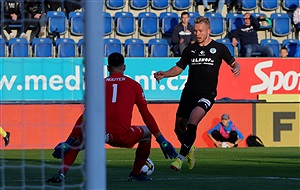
<point x="213" y="50"/>
<point x="202" y="53"/>
<point x="202" y="61"/>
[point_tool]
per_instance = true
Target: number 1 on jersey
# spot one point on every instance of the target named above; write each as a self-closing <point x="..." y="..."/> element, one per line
<point x="114" y="94"/>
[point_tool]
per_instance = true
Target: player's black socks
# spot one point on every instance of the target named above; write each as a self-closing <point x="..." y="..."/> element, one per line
<point x="188" y="139"/>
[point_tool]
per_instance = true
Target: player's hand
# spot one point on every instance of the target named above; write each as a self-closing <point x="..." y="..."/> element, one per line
<point x="234" y="42"/>
<point x="236" y="71"/>
<point x="60" y="150"/>
<point x="166" y="147"/>
<point x="159" y="75"/>
<point x="218" y="144"/>
<point x="230" y="144"/>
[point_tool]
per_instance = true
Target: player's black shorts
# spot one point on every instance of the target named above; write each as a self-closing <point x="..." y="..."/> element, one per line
<point x="189" y="101"/>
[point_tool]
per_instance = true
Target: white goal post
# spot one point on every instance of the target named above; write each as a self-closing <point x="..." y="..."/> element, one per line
<point x="95" y="104"/>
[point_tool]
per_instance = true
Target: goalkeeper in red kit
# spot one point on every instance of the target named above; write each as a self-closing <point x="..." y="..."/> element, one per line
<point x="122" y="93"/>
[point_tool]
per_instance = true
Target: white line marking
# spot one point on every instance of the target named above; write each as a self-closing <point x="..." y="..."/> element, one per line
<point x="217" y="178"/>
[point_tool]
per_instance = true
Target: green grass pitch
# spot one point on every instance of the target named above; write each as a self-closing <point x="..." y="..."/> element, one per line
<point x="236" y="168"/>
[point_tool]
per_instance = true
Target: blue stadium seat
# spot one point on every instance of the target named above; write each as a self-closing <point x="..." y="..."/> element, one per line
<point x="134" y="47"/>
<point x="272" y="43"/>
<point x="269" y="5"/>
<point x="125" y="23"/>
<point x="42" y="47"/>
<point x="159" y="4"/>
<point x="80" y="47"/>
<point x="233" y="21"/>
<point x="217" y="28"/>
<point x="139" y="4"/>
<point x="108" y="23"/>
<point x="291" y="45"/>
<point x="76" y="23"/>
<point x="115" y="4"/>
<point x="65" y="47"/>
<point x="290" y="5"/>
<point x="228" y="44"/>
<point x="57" y="22"/>
<point x="158" y="47"/>
<point x="249" y="5"/>
<point x="181" y="4"/>
<point x="281" y="24"/>
<point x="2" y="47"/>
<point x="112" y="45"/>
<point x="193" y="15"/>
<point x="148" y="23"/>
<point x="18" y="47"/>
<point x="168" y="20"/>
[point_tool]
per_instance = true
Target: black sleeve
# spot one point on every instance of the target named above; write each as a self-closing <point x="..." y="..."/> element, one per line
<point x="236" y="34"/>
<point x="254" y="22"/>
<point x="185" y="59"/>
<point x="227" y="57"/>
<point x="21" y="8"/>
<point x="6" y="13"/>
<point x="175" y="36"/>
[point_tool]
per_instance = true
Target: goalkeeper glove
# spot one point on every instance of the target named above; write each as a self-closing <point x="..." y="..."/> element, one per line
<point x="60" y="150"/>
<point x="166" y="147"/>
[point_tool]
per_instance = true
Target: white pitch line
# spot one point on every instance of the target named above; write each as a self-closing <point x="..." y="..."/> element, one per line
<point x="217" y="178"/>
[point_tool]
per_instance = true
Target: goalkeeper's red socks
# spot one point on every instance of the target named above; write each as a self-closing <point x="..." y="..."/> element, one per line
<point x="68" y="160"/>
<point x="141" y="155"/>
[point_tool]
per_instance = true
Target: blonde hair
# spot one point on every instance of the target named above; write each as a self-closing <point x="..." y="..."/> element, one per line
<point x="202" y="19"/>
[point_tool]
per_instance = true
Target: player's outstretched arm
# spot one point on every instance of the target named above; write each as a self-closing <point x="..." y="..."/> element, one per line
<point x="166" y="147"/>
<point x="174" y="71"/>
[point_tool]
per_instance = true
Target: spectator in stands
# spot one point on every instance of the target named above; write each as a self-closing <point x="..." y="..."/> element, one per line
<point x="225" y="134"/>
<point x="36" y="11"/>
<point x="65" y="5"/>
<point x="246" y="35"/>
<point x="284" y="52"/>
<point x="72" y="5"/>
<point x="207" y="8"/>
<point x="234" y="3"/>
<point x="183" y="34"/>
<point x="54" y="5"/>
<point x="296" y="20"/>
<point x="217" y="7"/>
<point x="14" y="14"/>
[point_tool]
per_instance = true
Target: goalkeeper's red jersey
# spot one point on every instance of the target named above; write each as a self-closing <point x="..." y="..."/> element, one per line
<point x="121" y="94"/>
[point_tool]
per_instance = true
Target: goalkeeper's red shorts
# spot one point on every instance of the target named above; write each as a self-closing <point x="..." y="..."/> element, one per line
<point x="125" y="140"/>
